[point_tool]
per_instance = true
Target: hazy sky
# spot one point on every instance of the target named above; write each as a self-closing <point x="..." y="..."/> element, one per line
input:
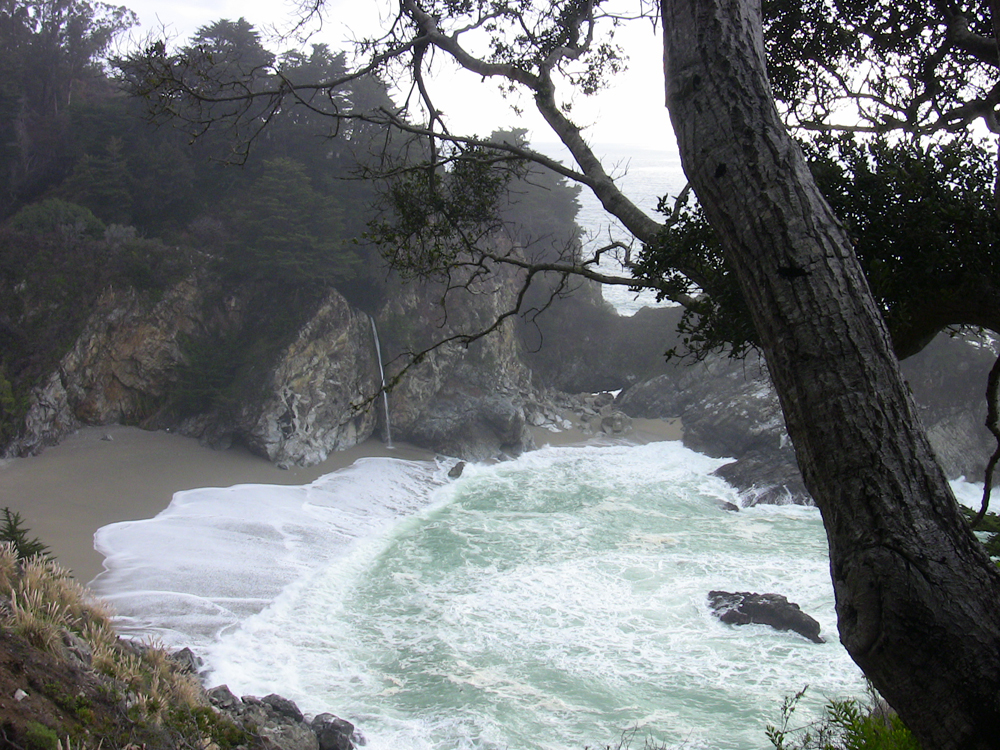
<point x="631" y="111"/>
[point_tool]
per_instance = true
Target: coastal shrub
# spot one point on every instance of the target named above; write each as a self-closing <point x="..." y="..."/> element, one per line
<point x="846" y="725"/>
<point x="55" y="215"/>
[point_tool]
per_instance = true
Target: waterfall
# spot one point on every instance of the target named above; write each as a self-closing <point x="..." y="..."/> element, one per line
<point x="381" y="372"/>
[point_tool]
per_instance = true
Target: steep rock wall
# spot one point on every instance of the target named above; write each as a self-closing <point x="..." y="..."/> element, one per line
<point x="730" y="409"/>
<point x="461" y="400"/>
<point x="318" y="396"/>
<point x="121" y="367"/>
<point x="313" y="394"/>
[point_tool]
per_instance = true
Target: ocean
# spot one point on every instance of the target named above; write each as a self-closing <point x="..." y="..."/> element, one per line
<point x="551" y="602"/>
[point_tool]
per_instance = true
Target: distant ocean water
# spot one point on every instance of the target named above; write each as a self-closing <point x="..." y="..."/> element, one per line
<point x="644" y="175"/>
<point x="550" y="602"/>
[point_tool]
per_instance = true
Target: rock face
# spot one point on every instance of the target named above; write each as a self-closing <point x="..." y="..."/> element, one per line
<point x="581" y="345"/>
<point x="318" y="393"/>
<point x="730" y="409"/>
<point x="280" y="724"/>
<point x="463" y="400"/>
<point x="124" y="366"/>
<point x="743" y="608"/>
<point x="314" y="394"/>
<point x="120" y="367"/>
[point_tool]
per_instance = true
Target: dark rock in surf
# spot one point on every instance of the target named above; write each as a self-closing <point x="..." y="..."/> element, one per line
<point x="187" y="661"/>
<point x="743" y="608"/>
<point x="335" y="733"/>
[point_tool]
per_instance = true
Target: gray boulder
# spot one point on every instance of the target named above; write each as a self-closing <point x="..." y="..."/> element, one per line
<point x="743" y="608"/>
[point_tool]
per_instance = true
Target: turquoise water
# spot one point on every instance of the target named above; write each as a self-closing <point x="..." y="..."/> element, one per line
<point x="549" y="602"/>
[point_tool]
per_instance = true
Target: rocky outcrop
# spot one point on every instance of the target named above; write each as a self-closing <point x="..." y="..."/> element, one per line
<point x="464" y="399"/>
<point x="121" y="366"/>
<point x="743" y="608"/>
<point x="581" y="345"/>
<point x="318" y="396"/>
<point x="312" y="391"/>
<point x="280" y="725"/>
<point x="730" y="409"/>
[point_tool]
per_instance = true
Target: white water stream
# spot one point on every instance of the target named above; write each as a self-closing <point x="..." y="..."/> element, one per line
<point x="381" y="373"/>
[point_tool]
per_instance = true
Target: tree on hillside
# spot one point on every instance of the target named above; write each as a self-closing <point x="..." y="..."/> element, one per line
<point x="50" y="52"/>
<point x="285" y="232"/>
<point x="916" y="593"/>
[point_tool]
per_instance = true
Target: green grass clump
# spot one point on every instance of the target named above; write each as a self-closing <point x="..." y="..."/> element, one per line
<point x="40" y="737"/>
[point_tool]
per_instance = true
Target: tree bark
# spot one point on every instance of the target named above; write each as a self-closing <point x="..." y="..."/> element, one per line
<point x="917" y="597"/>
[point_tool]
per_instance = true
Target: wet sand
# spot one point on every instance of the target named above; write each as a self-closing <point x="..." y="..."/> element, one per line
<point x="69" y="491"/>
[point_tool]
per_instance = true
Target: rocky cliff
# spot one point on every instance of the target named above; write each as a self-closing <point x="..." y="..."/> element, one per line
<point x="192" y="360"/>
<point x="461" y="398"/>
<point x="730" y="409"/>
<point x="224" y="365"/>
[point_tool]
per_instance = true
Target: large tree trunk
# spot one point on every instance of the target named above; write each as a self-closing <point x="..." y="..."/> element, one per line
<point x="918" y="600"/>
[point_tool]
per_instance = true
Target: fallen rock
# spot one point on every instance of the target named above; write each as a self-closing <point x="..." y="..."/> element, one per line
<point x="743" y="607"/>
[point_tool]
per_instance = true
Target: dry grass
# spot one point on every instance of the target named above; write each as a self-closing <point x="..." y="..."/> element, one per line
<point x="45" y="602"/>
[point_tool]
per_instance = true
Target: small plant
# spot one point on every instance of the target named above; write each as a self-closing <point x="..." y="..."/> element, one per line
<point x="12" y="530"/>
<point x="40" y="737"/>
<point x="846" y="725"/>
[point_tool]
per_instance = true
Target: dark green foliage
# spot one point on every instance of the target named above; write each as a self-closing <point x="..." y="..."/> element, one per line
<point x="52" y="275"/>
<point x="101" y="183"/>
<point x="720" y="319"/>
<point x="207" y="380"/>
<point x="221" y="730"/>
<point x="286" y="232"/>
<point x="12" y="530"/>
<point x="925" y="229"/>
<point x="50" y="54"/>
<point x="925" y="226"/>
<point x="40" y="737"/>
<point x="437" y="210"/>
<point x="81" y="706"/>
<point x="55" y="216"/>
<point x="846" y="725"/>
<point x="227" y="369"/>
<point x="920" y="75"/>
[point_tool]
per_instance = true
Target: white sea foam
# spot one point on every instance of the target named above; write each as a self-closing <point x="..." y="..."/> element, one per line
<point x="216" y="556"/>
<point x="549" y="602"/>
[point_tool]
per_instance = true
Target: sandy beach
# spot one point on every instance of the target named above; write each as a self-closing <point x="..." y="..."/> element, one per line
<point x="101" y="475"/>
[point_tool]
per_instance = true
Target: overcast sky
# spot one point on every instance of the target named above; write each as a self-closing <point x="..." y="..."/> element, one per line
<point x="630" y="112"/>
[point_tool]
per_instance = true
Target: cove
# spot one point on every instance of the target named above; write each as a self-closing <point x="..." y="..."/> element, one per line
<point x="550" y="602"/>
